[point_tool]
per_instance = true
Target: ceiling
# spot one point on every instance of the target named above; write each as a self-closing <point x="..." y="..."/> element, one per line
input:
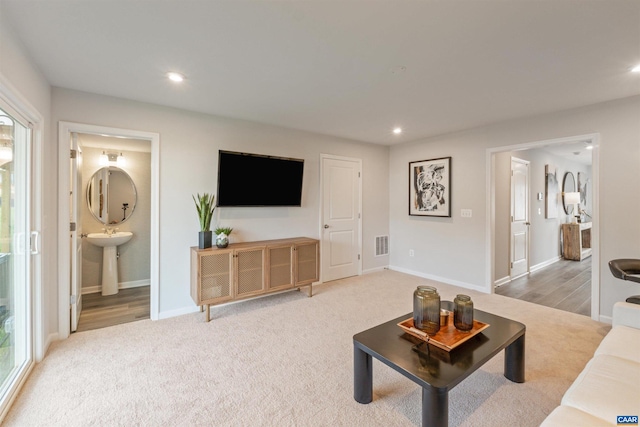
<point x="351" y="68"/>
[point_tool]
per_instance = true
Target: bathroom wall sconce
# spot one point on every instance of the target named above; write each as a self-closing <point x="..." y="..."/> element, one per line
<point x="107" y="158"/>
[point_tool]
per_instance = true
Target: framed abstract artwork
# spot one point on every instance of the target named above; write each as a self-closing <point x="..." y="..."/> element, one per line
<point x="551" y="188"/>
<point x="430" y="187"/>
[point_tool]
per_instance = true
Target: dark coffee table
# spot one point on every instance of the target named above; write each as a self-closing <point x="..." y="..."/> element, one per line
<point x="435" y="370"/>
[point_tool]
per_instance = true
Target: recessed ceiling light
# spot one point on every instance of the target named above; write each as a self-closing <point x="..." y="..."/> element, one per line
<point x="636" y="69"/>
<point x="397" y="131"/>
<point x="175" y="77"/>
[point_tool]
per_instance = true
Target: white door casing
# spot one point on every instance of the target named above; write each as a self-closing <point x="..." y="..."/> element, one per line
<point x="65" y="129"/>
<point x="519" y="230"/>
<point x="75" y="210"/>
<point x="340" y="217"/>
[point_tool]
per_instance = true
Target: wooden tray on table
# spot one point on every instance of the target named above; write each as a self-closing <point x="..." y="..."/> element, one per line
<point x="448" y="337"/>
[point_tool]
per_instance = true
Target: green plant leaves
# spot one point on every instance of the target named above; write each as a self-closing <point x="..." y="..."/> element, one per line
<point x="205" y="207"/>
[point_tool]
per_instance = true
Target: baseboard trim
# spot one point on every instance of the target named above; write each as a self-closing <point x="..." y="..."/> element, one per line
<point x="544" y="264"/>
<point x="177" y="312"/>
<point x="375" y="270"/>
<point x="606" y="319"/>
<point x="440" y="279"/>
<point x="503" y="281"/>
<point x="122" y="285"/>
<point x="50" y="339"/>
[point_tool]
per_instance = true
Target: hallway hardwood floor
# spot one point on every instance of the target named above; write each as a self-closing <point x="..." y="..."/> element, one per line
<point x="565" y="285"/>
<point x="128" y="305"/>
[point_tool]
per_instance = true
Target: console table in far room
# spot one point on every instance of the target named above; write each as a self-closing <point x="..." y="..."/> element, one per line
<point x="576" y="241"/>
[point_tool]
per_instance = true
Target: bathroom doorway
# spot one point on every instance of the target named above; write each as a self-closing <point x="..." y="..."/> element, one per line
<point x="114" y="178"/>
<point x="118" y="281"/>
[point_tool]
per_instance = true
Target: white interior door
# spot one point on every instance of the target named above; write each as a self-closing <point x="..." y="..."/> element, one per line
<point x="341" y="208"/>
<point x="76" y="231"/>
<point x="519" y="250"/>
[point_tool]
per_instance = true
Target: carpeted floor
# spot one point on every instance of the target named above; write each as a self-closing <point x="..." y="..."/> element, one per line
<point x="287" y="360"/>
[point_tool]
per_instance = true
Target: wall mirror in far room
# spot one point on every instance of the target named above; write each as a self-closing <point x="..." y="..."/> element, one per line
<point x="568" y="186"/>
<point x="111" y="195"/>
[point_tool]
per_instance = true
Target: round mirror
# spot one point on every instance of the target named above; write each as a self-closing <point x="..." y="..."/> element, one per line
<point x="568" y="186"/>
<point x="111" y="195"/>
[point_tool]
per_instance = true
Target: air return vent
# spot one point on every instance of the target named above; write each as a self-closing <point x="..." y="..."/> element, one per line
<point x="382" y="245"/>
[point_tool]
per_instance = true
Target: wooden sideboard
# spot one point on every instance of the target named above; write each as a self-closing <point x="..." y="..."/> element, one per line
<point x="249" y="269"/>
<point x="576" y="241"/>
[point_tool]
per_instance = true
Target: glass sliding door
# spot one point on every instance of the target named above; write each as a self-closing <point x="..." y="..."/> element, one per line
<point x="15" y="253"/>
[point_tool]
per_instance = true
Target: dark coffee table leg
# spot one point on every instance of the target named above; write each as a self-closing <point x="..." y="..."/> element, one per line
<point x="514" y="361"/>
<point x="362" y="376"/>
<point x="435" y="407"/>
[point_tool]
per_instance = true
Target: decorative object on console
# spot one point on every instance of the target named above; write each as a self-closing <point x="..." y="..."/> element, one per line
<point x="551" y="189"/>
<point x="426" y="309"/>
<point x="222" y="236"/>
<point x="463" y="313"/>
<point x="205" y="208"/>
<point x="430" y="187"/>
<point x="573" y="199"/>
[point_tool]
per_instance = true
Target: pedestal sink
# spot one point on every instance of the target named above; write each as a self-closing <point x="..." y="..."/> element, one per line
<point x="108" y="243"/>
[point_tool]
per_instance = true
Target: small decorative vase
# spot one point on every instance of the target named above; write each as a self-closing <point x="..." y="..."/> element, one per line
<point x="426" y="309"/>
<point x="222" y="241"/>
<point x="204" y="239"/>
<point x="463" y="313"/>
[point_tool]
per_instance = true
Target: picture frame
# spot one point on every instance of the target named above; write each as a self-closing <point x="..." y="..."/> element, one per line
<point x="551" y="190"/>
<point x="430" y="187"/>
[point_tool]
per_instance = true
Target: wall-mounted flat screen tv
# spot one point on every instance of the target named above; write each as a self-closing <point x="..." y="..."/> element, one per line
<point x="246" y="179"/>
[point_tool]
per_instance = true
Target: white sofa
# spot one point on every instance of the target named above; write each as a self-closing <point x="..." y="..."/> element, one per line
<point x="609" y="385"/>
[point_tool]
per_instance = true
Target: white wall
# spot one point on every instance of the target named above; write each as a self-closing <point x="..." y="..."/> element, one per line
<point x="189" y="144"/>
<point x="18" y="70"/>
<point x="544" y="232"/>
<point x="455" y="248"/>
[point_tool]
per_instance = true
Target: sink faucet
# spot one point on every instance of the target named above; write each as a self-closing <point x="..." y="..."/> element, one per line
<point x="109" y="231"/>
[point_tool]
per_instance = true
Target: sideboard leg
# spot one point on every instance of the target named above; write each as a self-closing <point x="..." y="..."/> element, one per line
<point x="201" y="308"/>
<point x="310" y="291"/>
<point x="208" y="312"/>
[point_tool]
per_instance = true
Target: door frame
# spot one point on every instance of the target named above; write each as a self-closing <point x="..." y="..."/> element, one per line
<point x="594" y="139"/>
<point x="321" y="214"/>
<point x="511" y="201"/>
<point x="64" y="133"/>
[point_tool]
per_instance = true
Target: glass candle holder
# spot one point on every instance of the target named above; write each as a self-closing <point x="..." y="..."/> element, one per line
<point x="426" y="309"/>
<point x="463" y="313"/>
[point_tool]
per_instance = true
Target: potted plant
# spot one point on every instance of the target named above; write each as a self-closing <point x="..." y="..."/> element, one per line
<point x="205" y="208"/>
<point x="222" y="236"/>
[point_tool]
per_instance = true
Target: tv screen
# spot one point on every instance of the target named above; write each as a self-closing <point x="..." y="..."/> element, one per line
<point x="256" y="180"/>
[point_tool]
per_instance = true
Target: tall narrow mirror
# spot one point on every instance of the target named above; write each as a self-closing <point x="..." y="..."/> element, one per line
<point x="568" y="186"/>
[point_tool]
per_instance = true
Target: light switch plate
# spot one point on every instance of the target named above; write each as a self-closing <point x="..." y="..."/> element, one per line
<point x="465" y="213"/>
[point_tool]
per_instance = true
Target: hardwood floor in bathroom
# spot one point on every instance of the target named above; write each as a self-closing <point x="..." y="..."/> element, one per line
<point x="565" y="285"/>
<point x="128" y="305"/>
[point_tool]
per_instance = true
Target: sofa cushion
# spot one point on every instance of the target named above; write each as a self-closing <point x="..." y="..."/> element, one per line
<point x="623" y="342"/>
<point x="564" y="416"/>
<point x="607" y="387"/>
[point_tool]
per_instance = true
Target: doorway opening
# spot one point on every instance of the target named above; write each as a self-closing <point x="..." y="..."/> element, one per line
<point x="114" y="180"/>
<point x="131" y="211"/>
<point x="549" y="277"/>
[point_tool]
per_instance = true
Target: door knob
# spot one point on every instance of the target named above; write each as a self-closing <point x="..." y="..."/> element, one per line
<point x="326" y="226"/>
<point x="527" y="223"/>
